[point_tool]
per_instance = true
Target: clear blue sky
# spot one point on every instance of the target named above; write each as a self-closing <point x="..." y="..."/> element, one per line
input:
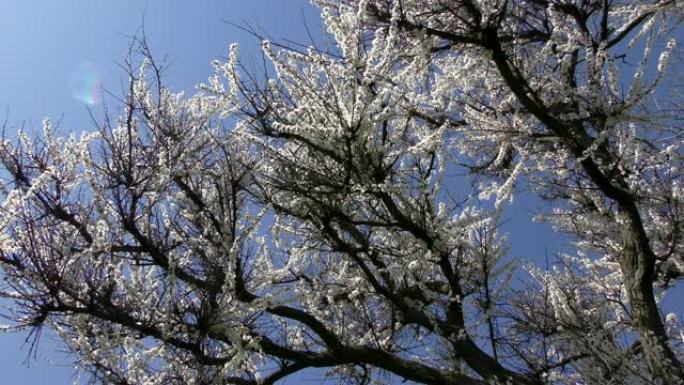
<point x="44" y="43"/>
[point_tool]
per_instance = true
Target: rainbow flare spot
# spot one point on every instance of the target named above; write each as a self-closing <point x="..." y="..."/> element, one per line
<point x="86" y="84"/>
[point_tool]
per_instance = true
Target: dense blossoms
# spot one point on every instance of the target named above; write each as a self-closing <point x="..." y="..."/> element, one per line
<point x="343" y="213"/>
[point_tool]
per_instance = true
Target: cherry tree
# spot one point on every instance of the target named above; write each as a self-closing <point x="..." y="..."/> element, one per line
<point x="342" y="210"/>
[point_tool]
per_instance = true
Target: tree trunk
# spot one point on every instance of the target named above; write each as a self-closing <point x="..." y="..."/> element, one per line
<point x="638" y="268"/>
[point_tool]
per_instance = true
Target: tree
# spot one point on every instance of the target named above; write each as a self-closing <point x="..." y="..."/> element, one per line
<point x="341" y="211"/>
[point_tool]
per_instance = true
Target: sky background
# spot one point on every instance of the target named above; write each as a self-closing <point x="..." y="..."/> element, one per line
<point x="55" y="53"/>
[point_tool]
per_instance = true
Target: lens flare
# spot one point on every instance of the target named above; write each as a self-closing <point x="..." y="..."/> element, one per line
<point x="86" y="84"/>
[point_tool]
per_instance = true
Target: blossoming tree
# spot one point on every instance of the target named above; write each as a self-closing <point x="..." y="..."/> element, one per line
<point x="342" y="210"/>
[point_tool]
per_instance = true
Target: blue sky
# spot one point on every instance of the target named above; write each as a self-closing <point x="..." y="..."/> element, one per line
<point x="47" y="45"/>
